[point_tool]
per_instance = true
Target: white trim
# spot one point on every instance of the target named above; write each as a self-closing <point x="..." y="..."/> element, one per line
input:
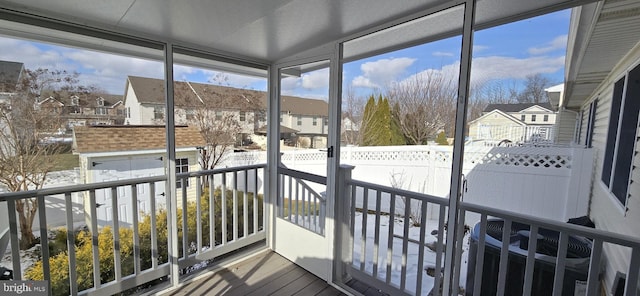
<point x="621" y="208"/>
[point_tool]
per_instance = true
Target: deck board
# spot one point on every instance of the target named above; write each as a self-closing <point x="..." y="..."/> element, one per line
<point x="265" y="274"/>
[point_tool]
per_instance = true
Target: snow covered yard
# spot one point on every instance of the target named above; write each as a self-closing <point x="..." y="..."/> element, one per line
<point x="413" y="249"/>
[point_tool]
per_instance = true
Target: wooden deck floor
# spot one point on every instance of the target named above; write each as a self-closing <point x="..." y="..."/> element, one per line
<point x="265" y="274"/>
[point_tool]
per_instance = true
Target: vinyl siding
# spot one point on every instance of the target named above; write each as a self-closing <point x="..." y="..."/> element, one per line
<point x="605" y="210"/>
<point x="566" y="126"/>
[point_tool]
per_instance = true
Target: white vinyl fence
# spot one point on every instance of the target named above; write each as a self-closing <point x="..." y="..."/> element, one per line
<point x="548" y="182"/>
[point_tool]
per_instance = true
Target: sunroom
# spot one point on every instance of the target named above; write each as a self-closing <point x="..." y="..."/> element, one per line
<point x="421" y="220"/>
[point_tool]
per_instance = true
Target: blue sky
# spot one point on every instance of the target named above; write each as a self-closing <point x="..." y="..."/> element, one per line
<point x="504" y="54"/>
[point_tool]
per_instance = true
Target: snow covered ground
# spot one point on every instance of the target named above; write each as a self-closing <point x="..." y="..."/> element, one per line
<point x="396" y="260"/>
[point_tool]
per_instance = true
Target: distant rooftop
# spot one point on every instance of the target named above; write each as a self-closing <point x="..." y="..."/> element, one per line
<point x="515" y="107"/>
<point x="111" y="138"/>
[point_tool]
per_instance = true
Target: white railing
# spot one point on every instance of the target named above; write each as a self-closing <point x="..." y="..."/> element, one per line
<point x="390" y="247"/>
<point x="518" y="134"/>
<point x="234" y="202"/>
<point x="301" y="199"/>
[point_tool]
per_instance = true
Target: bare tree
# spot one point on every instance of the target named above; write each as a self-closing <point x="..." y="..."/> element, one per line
<point x="534" y="89"/>
<point x="26" y="149"/>
<point x="353" y="109"/>
<point x="221" y="114"/>
<point x="425" y="103"/>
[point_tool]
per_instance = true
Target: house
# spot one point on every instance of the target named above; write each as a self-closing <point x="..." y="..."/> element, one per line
<point x="109" y="153"/>
<point x="601" y="91"/>
<point x="517" y="123"/>
<point x="144" y="104"/>
<point x="84" y="110"/>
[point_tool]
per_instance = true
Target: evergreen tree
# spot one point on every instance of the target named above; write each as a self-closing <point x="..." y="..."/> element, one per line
<point x="441" y="139"/>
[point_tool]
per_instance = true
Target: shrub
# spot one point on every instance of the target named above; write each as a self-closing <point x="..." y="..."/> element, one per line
<point x="59" y="260"/>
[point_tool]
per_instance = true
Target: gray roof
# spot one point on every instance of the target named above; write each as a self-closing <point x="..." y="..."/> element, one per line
<point x="10" y="73"/>
<point x="515" y="107"/>
<point x="192" y="94"/>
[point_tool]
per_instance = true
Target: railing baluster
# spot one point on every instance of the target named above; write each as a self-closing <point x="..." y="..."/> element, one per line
<point x="185" y="224"/>
<point x="71" y="240"/>
<point x="297" y="203"/>
<point x="594" y="268"/>
<point x="392" y="221"/>
<point x="255" y="201"/>
<point x="235" y="206"/>
<point x="439" y="246"/>
<point x="245" y="205"/>
<point x="15" y="243"/>
<point x="458" y="257"/>
<point x="290" y="199"/>
<point x="352" y="221"/>
<point x="423" y="226"/>
<point x="44" y="238"/>
<point x="477" y="280"/>
<point x="135" y="225"/>
<point x="223" y="210"/>
<point x="212" y="213"/>
<point x="198" y="215"/>
<point x="116" y="234"/>
<point x="631" y="286"/>
<point x="531" y="260"/>
<point x="376" y="238"/>
<point x="304" y="216"/>
<point x="504" y="257"/>
<point x="558" y="280"/>
<point x="405" y="242"/>
<point x="154" y="232"/>
<point x="95" y="234"/>
<point x="363" y="232"/>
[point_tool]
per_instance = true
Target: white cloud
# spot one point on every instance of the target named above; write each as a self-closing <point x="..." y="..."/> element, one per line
<point x="479" y="48"/>
<point x="231" y="79"/>
<point x="316" y="80"/>
<point x="377" y="74"/>
<point x="557" y="43"/>
<point x="442" y="54"/>
<point x="485" y="69"/>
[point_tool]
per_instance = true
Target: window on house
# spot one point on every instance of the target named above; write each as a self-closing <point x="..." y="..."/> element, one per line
<point x="182" y="166"/>
<point x="299" y="120"/>
<point x="74" y="101"/>
<point x="621" y="135"/>
<point x="281" y="118"/>
<point x="533" y="118"/>
<point x="158" y="112"/>
<point x="326" y="121"/>
<point x="101" y="111"/>
<point x="545" y="118"/>
<point x="522" y="117"/>
<point x="218" y="115"/>
<point x="120" y="112"/>
<point x="315" y="121"/>
<point x="243" y="116"/>
<point x="127" y="112"/>
<point x="590" y="123"/>
<point x="100" y="102"/>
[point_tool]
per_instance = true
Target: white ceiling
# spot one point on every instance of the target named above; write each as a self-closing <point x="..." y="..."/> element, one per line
<point x="268" y="30"/>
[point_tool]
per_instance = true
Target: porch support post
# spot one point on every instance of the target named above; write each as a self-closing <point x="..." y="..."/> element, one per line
<point x="452" y="268"/>
<point x="170" y="185"/>
<point x="334" y="192"/>
<point x="273" y="152"/>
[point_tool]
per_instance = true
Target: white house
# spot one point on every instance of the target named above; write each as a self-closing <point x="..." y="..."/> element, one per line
<point x="518" y="123"/>
<point x="144" y="104"/>
<point x="602" y="91"/>
<point x="109" y="153"/>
